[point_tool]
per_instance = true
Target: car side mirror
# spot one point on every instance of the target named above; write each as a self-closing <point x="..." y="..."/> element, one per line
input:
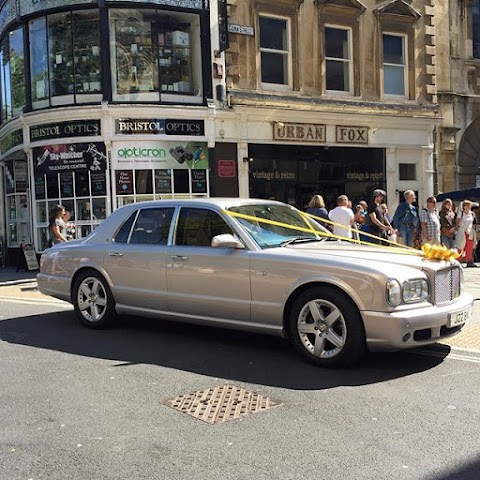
<point x="226" y="240"/>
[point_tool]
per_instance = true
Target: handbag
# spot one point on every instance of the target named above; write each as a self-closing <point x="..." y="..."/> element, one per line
<point x="460" y="239"/>
<point x="445" y="232"/>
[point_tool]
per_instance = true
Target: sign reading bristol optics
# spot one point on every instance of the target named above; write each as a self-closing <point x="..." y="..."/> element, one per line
<point x="153" y="126"/>
<point x="75" y="128"/>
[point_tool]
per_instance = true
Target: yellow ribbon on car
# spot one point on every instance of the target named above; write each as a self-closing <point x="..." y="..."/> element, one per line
<point x="429" y="251"/>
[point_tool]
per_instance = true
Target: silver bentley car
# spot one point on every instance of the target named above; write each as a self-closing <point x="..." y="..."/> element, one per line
<point x="261" y="266"/>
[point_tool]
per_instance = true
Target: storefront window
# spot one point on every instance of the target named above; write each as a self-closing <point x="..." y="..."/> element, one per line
<point x="16" y="203"/>
<point x="142" y="185"/>
<point x="74" y="176"/>
<point x="156" y="56"/>
<point x="65" y="58"/>
<point x="39" y="62"/>
<point x="12" y="74"/>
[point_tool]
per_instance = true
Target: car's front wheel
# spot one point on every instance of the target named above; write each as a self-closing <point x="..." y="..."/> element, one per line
<point x="93" y="300"/>
<point x="325" y="326"/>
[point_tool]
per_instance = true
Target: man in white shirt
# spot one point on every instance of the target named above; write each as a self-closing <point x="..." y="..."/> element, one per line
<point x="342" y="215"/>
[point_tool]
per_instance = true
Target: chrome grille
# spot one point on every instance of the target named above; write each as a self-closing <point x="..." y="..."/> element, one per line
<point x="447" y="285"/>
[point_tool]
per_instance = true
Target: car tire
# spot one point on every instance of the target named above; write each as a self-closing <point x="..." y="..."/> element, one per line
<point x="93" y="301"/>
<point x="325" y="327"/>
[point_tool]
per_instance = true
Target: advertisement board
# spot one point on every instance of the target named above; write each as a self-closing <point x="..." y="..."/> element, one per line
<point x="160" y="155"/>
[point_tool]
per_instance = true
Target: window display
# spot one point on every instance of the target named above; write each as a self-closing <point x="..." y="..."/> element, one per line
<point x="12" y="74"/>
<point x="157" y="56"/>
<point x="75" y="176"/>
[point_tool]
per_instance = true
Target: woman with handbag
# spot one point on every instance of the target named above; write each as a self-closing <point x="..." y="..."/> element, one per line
<point x="466" y="235"/>
<point x="447" y="224"/>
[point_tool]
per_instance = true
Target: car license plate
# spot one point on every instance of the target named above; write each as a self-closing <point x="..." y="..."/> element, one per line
<point x="458" y="318"/>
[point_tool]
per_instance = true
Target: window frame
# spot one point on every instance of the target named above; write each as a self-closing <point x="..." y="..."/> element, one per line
<point x="289" y="27"/>
<point x="350" y="60"/>
<point x="406" y="65"/>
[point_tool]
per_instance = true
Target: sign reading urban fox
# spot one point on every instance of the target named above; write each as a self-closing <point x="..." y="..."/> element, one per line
<point x="300" y="132"/>
<point x="160" y="155"/>
<point x="75" y="157"/>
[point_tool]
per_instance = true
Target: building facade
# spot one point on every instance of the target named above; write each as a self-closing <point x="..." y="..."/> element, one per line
<point x="102" y="103"/>
<point x="458" y="82"/>
<point x="330" y="97"/>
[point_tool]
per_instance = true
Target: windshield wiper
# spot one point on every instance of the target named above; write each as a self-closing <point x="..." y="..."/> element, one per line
<point x="300" y="239"/>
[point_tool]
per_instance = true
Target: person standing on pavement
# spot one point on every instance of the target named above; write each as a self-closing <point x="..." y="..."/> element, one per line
<point x="317" y="207"/>
<point x="406" y="219"/>
<point x="447" y="224"/>
<point x="430" y="222"/>
<point x="343" y="217"/>
<point x="57" y="227"/>
<point x="466" y="235"/>
<point x="375" y="219"/>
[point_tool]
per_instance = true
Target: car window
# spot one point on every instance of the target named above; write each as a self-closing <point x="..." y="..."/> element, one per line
<point x="152" y="226"/>
<point x="283" y="218"/>
<point x="124" y="231"/>
<point x="197" y="226"/>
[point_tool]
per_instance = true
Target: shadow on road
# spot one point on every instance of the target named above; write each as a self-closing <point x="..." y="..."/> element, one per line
<point x="469" y="471"/>
<point x="224" y="354"/>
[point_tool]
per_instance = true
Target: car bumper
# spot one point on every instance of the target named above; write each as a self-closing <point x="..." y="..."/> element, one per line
<point x="412" y="328"/>
<point x="54" y="285"/>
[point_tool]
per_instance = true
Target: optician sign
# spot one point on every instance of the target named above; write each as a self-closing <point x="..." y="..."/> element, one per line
<point x="11" y="140"/>
<point x="159" y="126"/>
<point x="75" y="128"/>
<point x="158" y="154"/>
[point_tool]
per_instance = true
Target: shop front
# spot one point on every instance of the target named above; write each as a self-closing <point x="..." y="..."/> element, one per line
<point x="329" y="171"/>
<point x="292" y="155"/>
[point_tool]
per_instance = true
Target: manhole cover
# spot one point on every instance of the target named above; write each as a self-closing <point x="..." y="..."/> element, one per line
<point x="219" y="404"/>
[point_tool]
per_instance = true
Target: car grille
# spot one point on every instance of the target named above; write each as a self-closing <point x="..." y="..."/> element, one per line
<point x="447" y="285"/>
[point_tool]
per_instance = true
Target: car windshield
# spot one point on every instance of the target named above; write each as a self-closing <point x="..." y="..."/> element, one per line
<point x="268" y="235"/>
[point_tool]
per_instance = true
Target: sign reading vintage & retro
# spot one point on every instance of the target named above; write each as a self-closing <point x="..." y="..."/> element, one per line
<point x="161" y="155"/>
<point x="159" y="126"/>
<point x="74" y="128"/>
<point x="299" y="132"/>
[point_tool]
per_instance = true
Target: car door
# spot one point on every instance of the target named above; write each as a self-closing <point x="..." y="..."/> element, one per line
<point x="205" y="281"/>
<point x="136" y="259"/>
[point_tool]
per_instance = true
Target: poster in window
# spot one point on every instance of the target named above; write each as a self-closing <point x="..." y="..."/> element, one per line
<point x="124" y="182"/>
<point x="199" y="181"/>
<point x="66" y="184"/>
<point x="20" y="174"/>
<point x="82" y="184"/>
<point x="9" y="178"/>
<point x="74" y="157"/>
<point x="163" y="181"/>
<point x="39" y="187"/>
<point x="99" y="183"/>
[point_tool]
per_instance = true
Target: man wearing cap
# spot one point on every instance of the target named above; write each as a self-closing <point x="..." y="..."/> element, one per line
<point x="374" y="220"/>
<point x="406" y="219"/>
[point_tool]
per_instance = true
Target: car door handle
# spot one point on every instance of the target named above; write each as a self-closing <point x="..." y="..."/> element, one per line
<point x="115" y="254"/>
<point x="179" y="257"/>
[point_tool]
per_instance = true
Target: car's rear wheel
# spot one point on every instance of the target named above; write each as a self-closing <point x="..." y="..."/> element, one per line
<point x="93" y="300"/>
<point x="325" y="327"/>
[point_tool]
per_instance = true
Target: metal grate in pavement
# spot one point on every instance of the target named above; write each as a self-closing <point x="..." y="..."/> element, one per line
<point x="220" y="404"/>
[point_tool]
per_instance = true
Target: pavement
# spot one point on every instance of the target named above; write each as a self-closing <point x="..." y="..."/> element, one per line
<point x="17" y="283"/>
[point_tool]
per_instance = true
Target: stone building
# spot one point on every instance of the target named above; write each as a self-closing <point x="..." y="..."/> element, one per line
<point x="458" y="83"/>
<point x="329" y="97"/>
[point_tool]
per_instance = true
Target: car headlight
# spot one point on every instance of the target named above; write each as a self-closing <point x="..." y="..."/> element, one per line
<point x="411" y="291"/>
<point x="394" y="292"/>
<point x="415" y="290"/>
